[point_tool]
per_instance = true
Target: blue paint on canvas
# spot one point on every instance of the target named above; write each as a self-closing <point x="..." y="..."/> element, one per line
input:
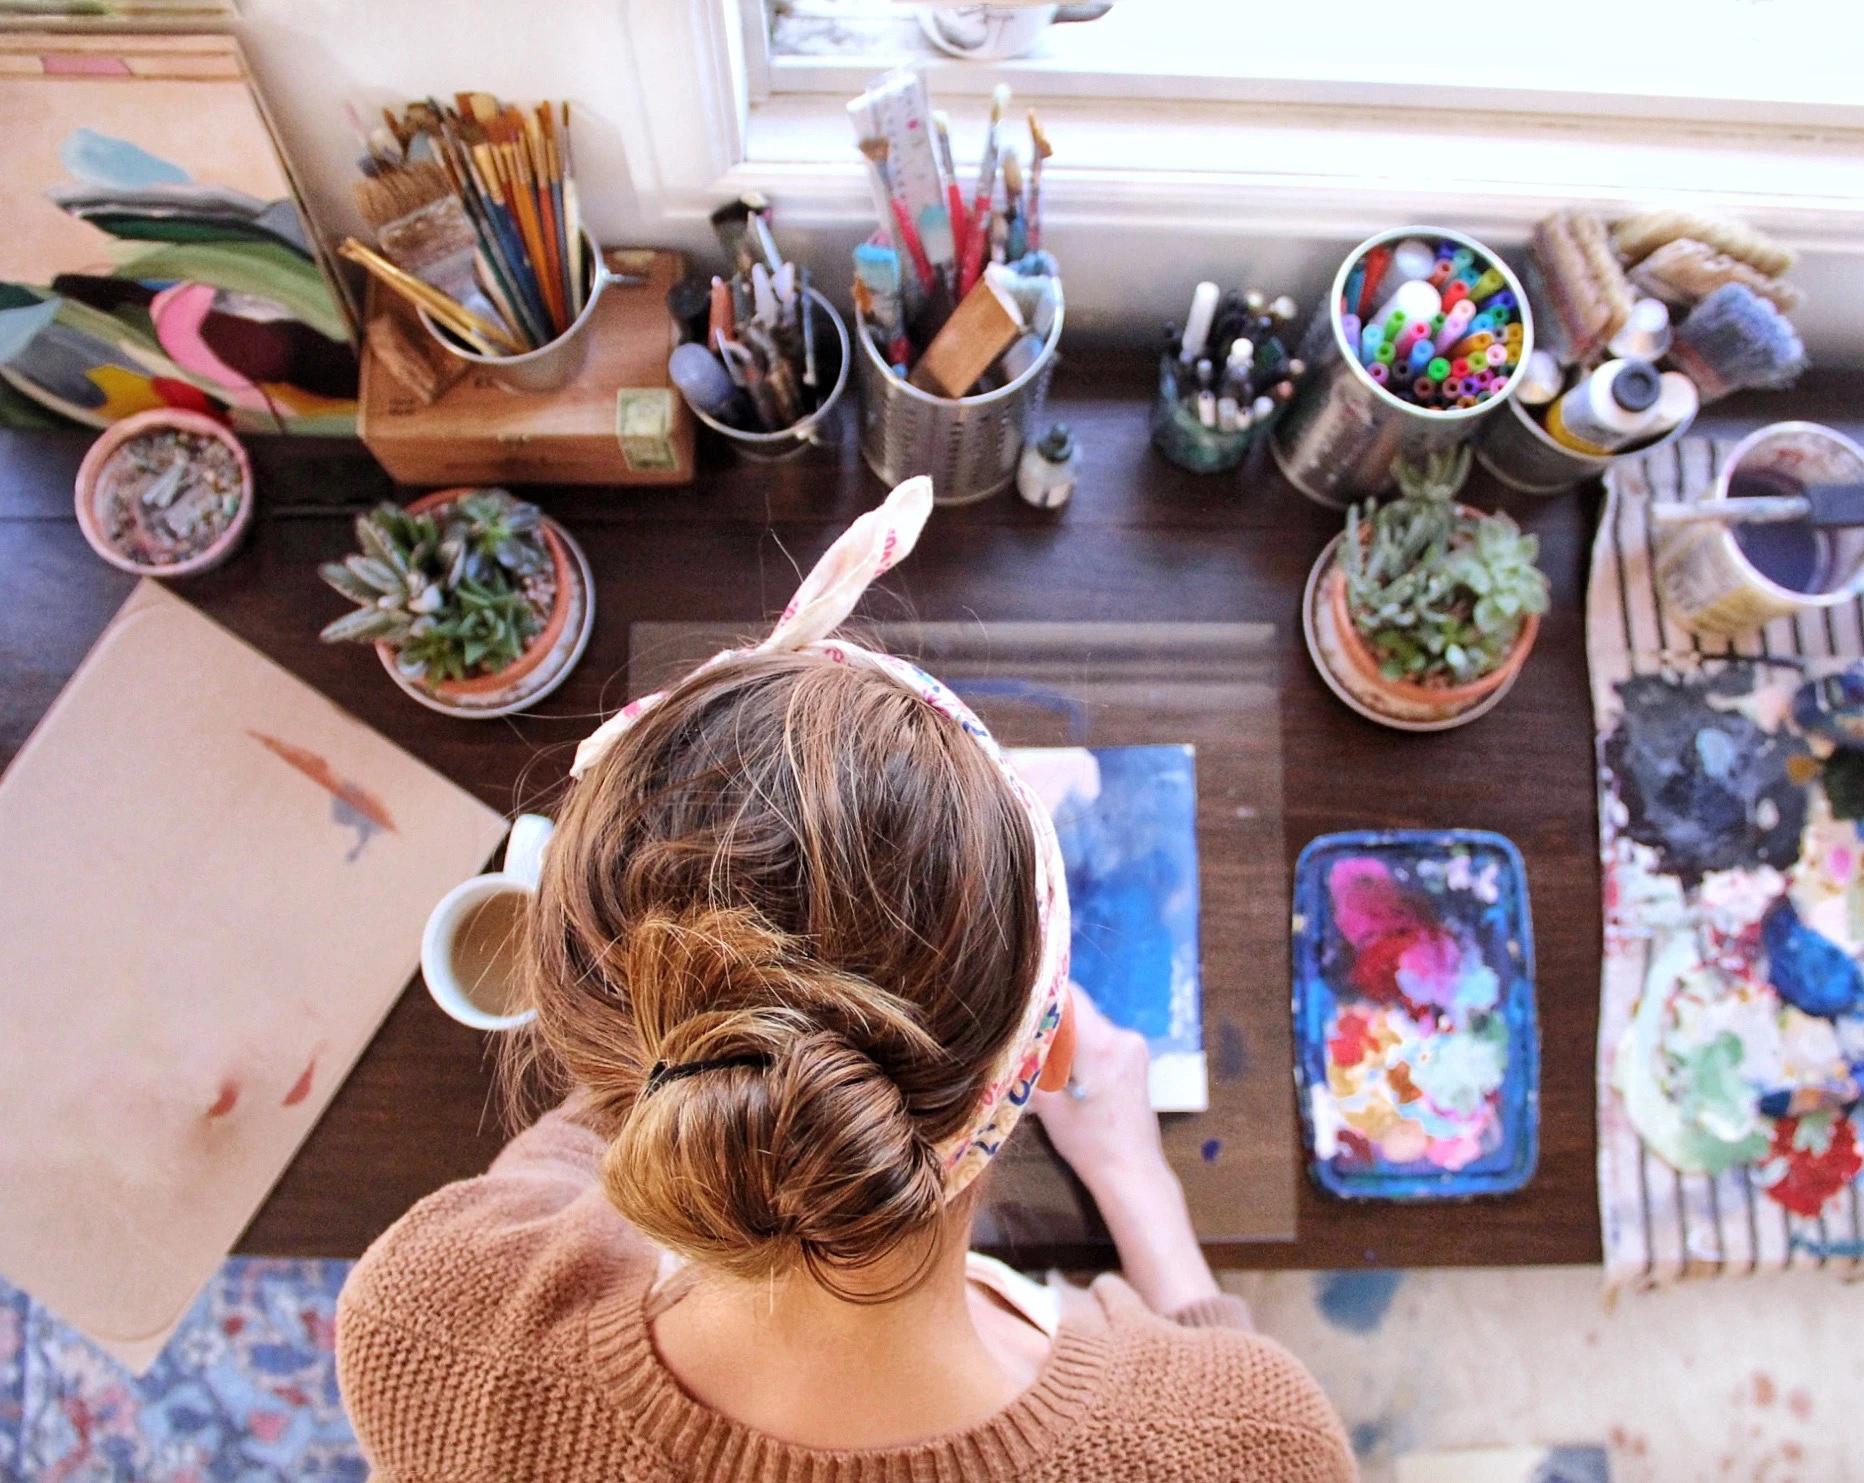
<point x="1127" y="821"/>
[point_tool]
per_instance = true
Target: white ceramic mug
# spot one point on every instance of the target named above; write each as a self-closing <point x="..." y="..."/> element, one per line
<point x="467" y="941"/>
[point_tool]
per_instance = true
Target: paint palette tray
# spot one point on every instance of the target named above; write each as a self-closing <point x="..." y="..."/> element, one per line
<point x="1417" y="1053"/>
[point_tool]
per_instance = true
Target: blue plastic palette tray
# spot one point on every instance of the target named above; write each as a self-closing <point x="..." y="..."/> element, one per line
<point x="1417" y="1053"/>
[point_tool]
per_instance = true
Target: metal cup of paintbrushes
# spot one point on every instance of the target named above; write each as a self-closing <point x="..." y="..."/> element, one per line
<point x="814" y="429"/>
<point x="553" y="365"/>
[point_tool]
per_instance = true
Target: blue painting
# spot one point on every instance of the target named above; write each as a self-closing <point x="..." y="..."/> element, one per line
<point x="1127" y="821"/>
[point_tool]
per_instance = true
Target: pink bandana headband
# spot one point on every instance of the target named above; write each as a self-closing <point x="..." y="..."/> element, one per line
<point x="868" y="548"/>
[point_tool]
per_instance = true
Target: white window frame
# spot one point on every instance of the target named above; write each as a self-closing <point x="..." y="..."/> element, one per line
<point x="1310" y="175"/>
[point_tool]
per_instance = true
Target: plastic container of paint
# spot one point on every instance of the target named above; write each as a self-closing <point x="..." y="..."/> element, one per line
<point x="1417" y="1047"/>
<point x="1728" y="580"/>
<point x="1344" y="431"/>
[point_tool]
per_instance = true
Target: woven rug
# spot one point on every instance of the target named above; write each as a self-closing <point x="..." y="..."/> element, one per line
<point x="246" y="1390"/>
<point x="1714" y="810"/>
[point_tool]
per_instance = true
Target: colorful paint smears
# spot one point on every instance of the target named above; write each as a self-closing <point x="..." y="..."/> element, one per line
<point x="1414" y="1008"/>
<point x="1733" y="856"/>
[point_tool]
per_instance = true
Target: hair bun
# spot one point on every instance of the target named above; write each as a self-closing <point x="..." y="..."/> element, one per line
<point x="801" y="1146"/>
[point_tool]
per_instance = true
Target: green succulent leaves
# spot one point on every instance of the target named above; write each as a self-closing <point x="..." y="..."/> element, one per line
<point x="1437" y="592"/>
<point x="456" y="592"/>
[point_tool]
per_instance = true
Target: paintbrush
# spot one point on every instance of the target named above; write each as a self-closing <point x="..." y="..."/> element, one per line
<point x="422" y="227"/>
<point x="480" y="333"/>
<point x="875" y="151"/>
<point x="1826" y="506"/>
<point x="1735" y="340"/>
<point x="572" y="219"/>
<point x="1042" y="149"/>
<point x="1016" y="229"/>
<point x="954" y="193"/>
<point x="977" y="234"/>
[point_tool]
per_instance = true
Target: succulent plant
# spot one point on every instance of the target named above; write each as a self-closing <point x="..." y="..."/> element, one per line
<point x="1439" y="594"/>
<point x="455" y="591"/>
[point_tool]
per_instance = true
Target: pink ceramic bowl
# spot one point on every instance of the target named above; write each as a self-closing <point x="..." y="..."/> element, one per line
<point x="113" y="438"/>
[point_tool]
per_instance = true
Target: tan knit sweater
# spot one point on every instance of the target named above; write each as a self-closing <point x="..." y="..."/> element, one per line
<point x="496" y="1333"/>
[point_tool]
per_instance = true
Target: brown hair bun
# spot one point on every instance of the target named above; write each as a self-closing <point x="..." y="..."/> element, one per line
<point x="811" y="1157"/>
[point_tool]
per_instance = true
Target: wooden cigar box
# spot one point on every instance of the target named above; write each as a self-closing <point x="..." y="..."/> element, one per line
<point x="619" y="422"/>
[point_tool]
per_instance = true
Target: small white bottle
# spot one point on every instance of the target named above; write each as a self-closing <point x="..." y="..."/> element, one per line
<point x="1046" y="475"/>
<point x="1613" y="406"/>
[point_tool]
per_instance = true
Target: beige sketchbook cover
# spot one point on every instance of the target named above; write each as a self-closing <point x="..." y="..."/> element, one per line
<point x="213" y="891"/>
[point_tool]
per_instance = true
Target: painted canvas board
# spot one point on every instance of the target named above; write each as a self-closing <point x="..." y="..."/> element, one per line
<point x="1731" y="1023"/>
<point x="213" y="891"/>
<point x="1416" y="1044"/>
<point x="1127" y="821"/>
<point x="154" y="253"/>
<point x="1579" y="1464"/>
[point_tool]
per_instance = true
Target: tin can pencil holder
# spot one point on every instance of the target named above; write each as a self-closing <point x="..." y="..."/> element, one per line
<point x="969" y="445"/>
<point x="814" y="430"/>
<point x="552" y="366"/>
<point x="1344" y="432"/>
<point x="1729" y="580"/>
<point x="1517" y="450"/>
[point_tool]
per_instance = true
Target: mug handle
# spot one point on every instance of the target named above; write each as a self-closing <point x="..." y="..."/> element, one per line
<point x="524" y="850"/>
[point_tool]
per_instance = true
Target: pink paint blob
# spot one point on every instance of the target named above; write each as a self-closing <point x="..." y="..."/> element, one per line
<point x="301" y="1088"/>
<point x="227" y="1100"/>
<point x="1367" y="904"/>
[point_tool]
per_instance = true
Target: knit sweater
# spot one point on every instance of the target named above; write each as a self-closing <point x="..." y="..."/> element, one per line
<point x="497" y="1333"/>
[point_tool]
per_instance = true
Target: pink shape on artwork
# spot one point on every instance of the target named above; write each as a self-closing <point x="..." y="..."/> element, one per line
<point x="1367" y="904"/>
<point x="179" y="313"/>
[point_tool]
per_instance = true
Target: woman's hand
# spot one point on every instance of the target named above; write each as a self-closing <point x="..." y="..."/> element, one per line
<point x="1104" y="1126"/>
<point x="1103" y="1123"/>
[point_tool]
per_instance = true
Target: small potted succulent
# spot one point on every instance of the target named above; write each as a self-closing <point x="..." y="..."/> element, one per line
<point x="468" y="595"/>
<point x="1431" y="606"/>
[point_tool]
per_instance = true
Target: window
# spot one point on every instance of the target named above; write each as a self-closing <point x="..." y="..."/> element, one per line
<point x="1194" y="133"/>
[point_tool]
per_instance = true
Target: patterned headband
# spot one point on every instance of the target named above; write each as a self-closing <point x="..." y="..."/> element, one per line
<point x="868" y="548"/>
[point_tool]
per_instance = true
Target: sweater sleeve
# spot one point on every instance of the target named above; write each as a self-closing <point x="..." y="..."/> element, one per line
<point x="1221" y="1312"/>
<point x="481" y="1277"/>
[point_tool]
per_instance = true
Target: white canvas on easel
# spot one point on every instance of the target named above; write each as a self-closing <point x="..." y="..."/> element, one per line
<point x="213" y="890"/>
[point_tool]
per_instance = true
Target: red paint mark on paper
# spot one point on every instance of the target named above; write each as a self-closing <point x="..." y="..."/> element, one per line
<point x="83" y="64"/>
<point x="1792" y="1451"/>
<point x="1800" y="1403"/>
<point x="1764" y="1390"/>
<point x="301" y="1088"/>
<point x="225" y="1102"/>
<point x="320" y="772"/>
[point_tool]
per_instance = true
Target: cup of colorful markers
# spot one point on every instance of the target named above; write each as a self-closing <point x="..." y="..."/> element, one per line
<point x="1425" y="333"/>
<point x="1224" y="379"/>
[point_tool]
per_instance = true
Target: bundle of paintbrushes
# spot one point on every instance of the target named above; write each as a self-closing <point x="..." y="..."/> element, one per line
<point x="1434" y="323"/>
<point x="1224" y="377"/>
<point x="767" y="362"/>
<point x="1644" y="322"/>
<point x="477" y="219"/>
<point x="955" y="292"/>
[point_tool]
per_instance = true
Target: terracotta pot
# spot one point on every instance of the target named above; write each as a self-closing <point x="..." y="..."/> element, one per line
<point x="121" y="432"/>
<point x="1407" y="696"/>
<point x="539" y="647"/>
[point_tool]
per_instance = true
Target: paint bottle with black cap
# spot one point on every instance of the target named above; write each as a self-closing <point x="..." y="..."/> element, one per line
<point x="1615" y="405"/>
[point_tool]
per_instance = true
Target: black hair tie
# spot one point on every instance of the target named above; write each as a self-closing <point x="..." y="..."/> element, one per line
<point x="661" y="1072"/>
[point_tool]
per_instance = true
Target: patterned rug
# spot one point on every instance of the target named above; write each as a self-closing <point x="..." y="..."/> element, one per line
<point x="246" y="1392"/>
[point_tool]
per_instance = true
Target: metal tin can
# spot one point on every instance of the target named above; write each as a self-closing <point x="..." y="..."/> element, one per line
<point x="1343" y="431"/>
<point x="1710" y="583"/>
<point x="817" y="429"/>
<point x="969" y="445"/>
<point x="1518" y="450"/>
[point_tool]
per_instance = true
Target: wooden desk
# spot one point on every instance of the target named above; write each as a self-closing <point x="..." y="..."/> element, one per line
<point x="1141" y="539"/>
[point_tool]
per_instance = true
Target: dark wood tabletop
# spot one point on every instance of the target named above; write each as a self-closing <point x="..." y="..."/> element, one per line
<point x="1140" y="540"/>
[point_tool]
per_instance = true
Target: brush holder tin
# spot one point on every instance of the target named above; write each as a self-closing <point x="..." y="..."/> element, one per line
<point x="816" y="429"/>
<point x="1343" y="431"/>
<point x="970" y="445"/>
